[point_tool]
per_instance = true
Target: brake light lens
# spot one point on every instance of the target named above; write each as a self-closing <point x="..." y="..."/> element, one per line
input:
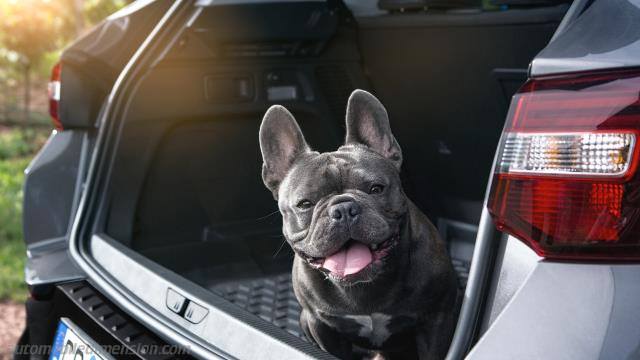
<point x="565" y="182"/>
<point x="54" y="96"/>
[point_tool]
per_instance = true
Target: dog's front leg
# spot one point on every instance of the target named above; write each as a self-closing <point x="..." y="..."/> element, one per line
<point x="327" y="338"/>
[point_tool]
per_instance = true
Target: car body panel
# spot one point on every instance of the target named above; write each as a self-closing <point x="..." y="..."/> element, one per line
<point x="514" y="263"/>
<point x="595" y="35"/>
<point x="52" y="187"/>
<point x="49" y="262"/>
<point x="91" y="64"/>
<point x="568" y="311"/>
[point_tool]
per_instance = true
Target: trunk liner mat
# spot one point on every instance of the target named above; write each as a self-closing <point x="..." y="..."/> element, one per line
<point x="272" y="299"/>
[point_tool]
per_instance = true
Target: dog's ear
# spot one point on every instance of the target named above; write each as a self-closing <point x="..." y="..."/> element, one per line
<point x="368" y="124"/>
<point x="281" y="142"/>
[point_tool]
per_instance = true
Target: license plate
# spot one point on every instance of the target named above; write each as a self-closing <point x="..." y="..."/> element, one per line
<point x="71" y="343"/>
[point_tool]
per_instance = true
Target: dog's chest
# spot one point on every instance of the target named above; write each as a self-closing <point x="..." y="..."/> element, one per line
<point x="376" y="328"/>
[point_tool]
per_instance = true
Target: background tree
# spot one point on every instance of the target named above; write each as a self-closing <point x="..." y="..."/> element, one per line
<point x="29" y="29"/>
<point x="32" y="34"/>
<point x="96" y="10"/>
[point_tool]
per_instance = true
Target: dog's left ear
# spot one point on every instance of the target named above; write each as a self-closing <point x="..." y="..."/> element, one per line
<point x="368" y="124"/>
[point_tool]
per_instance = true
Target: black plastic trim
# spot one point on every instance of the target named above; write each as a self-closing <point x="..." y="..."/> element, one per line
<point x="114" y="321"/>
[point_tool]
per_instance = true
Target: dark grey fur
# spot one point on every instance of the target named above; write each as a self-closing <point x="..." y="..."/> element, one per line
<point x="405" y="307"/>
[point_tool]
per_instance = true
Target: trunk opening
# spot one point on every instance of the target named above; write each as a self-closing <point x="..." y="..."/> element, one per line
<point x="185" y="188"/>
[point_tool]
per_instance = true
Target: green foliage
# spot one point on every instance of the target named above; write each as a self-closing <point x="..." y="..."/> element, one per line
<point x="29" y="29"/>
<point x="12" y="261"/>
<point x="96" y="10"/>
<point x="33" y="28"/>
<point x="12" y="249"/>
<point x="32" y="34"/>
<point x="20" y="143"/>
<point x="17" y="146"/>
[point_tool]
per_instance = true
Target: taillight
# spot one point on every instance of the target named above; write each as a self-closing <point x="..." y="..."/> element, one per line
<point x="565" y="180"/>
<point x="54" y="95"/>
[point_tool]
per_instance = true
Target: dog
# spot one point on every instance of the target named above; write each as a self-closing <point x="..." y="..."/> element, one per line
<point x="371" y="273"/>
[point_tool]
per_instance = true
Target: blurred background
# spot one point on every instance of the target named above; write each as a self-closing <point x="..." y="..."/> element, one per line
<point x="32" y="34"/>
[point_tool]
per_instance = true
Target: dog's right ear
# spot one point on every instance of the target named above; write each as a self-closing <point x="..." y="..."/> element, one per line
<point x="281" y="143"/>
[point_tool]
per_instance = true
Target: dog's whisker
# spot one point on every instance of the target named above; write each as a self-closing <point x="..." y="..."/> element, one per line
<point x="268" y="215"/>
<point x="280" y="248"/>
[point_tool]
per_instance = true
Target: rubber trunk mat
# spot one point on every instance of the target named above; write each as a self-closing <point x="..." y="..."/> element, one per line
<point x="271" y="297"/>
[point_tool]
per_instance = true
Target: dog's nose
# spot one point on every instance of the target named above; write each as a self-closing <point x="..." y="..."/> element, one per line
<point x="345" y="211"/>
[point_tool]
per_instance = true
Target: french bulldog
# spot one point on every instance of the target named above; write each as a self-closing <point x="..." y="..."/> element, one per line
<point x="370" y="271"/>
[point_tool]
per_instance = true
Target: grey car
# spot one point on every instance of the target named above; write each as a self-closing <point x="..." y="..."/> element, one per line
<point x="148" y="228"/>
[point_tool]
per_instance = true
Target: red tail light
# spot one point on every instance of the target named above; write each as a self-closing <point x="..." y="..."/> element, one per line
<point x="54" y="95"/>
<point x="566" y="181"/>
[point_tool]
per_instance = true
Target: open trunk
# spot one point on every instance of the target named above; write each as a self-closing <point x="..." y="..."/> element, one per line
<point x="185" y="188"/>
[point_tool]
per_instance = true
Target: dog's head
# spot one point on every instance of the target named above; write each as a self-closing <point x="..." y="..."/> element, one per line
<point x="342" y="210"/>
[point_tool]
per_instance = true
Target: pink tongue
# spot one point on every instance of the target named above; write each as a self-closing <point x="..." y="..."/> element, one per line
<point x="348" y="261"/>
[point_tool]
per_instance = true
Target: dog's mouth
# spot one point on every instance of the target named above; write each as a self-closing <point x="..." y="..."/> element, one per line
<point x="353" y="257"/>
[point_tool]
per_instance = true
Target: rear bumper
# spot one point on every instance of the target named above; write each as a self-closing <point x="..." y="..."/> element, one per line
<point x="100" y="319"/>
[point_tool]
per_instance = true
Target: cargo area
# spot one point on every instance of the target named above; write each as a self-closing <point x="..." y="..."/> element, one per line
<point x="185" y="189"/>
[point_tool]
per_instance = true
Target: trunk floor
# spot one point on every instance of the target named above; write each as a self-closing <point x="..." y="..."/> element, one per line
<point x="272" y="299"/>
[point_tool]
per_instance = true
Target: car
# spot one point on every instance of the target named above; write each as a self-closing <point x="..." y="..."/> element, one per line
<point x="148" y="228"/>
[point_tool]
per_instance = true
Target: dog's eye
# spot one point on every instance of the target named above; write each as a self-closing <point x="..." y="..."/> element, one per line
<point x="304" y="204"/>
<point x="376" y="189"/>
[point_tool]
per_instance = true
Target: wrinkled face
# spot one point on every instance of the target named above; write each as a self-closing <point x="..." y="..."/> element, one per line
<point x="342" y="211"/>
